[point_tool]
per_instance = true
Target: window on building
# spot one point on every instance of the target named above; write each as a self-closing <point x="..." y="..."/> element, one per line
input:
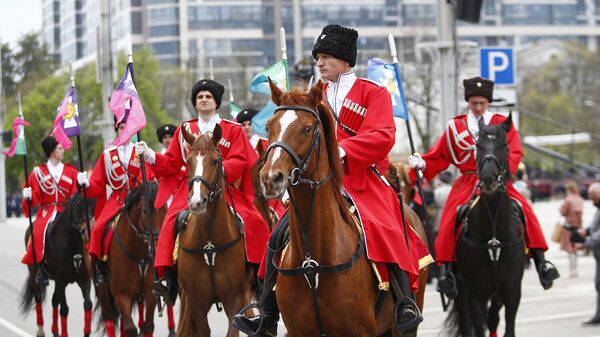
<point x="136" y="22"/>
<point x="170" y="30"/>
<point x="162" y="48"/>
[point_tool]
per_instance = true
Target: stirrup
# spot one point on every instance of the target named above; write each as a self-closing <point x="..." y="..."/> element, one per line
<point x="260" y="331"/>
<point x="161" y="287"/>
<point x="450" y="291"/>
<point x="551" y="274"/>
<point x="410" y="326"/>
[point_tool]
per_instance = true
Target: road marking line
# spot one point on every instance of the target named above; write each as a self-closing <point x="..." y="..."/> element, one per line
<point x="14" y="328"/>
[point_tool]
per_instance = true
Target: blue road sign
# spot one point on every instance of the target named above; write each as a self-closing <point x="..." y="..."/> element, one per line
<point x="498" y="65"/>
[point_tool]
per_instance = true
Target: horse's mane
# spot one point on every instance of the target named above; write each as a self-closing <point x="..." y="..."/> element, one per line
<point x="203" y="143"/>
<point x="298" y="96"/>
<point x="134" y="196"/>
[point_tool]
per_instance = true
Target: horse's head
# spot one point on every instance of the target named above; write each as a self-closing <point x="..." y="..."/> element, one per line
<point x="205" y="168"/>
<point x="492" y="156"/>
<point x="135" y="207"/>
<point x="300" y="127"/>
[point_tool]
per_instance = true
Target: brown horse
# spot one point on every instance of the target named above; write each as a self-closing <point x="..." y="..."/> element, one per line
<point x="262" y="204"/>
<point x="211" y="264"/>
<point x="397" y="175"/>
<point x="131" y="267"/>
<point x="345" y="296"/>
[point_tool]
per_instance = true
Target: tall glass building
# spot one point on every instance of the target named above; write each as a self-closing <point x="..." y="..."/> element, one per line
<point x="240" y="36"/>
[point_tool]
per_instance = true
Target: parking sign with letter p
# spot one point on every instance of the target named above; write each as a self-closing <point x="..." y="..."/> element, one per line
<point x="498" y="65"/>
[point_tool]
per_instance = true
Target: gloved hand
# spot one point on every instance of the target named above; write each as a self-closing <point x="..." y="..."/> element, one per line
<point x="416" y="161"/>
<point x="82" y="179"/>
<point x="142" y="149"/>
<point x="27" y="193"/>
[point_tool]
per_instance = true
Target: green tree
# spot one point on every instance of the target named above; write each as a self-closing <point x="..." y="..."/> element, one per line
<point x="9" y="71"/>
<point x="33" y="60"/>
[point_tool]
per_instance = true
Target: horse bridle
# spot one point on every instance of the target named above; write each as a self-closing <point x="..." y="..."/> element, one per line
<point x="493" y="246"/>
<point x="295" y="176"/>
<point x="210" y="250"/>
<point x="310" y="268"/>
<point x="214" y="189"/>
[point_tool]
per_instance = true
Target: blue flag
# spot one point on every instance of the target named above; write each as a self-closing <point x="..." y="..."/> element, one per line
<point x="388" y="76"/>
<point x="260" y="84"/>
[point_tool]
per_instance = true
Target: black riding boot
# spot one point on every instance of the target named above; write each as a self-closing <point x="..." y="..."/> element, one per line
<point x="167" y="286"/>
<point x="447" y="281"/>
<point x="546" y="270"/>
<point x="265" y="324"/>
<point x="100" y="273"/>
<point x="406" y="312"/>
<point x="41" y="277"/>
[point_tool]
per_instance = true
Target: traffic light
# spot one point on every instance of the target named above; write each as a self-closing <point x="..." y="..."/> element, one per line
<point x="469" y="10"/>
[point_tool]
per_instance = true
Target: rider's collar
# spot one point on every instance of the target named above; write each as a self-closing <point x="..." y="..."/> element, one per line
<point x="205" y="126"/>
<point x="338" y="90"/>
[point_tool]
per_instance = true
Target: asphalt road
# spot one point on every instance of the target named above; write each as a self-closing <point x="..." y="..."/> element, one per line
<point x="556" y="312"/>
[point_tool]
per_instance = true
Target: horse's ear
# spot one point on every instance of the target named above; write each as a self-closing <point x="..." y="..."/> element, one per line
<point x="217" y="134"/>
<point x="276" y="93"/>
<point x="316" y="93"/>
<point x="259" y="148"/>
<point x="507" y="122"/>
<point x="188" y="137"/>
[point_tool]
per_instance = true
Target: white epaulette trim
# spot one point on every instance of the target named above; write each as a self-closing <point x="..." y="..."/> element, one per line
<point x="232" y="122"/>
<point x="369" y="80"/>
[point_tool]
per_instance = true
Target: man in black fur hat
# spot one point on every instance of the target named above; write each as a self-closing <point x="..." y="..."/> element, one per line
<point x="165" y="135"/>
<point x="457" y="146"/>
<point x="50" y="187"/>
<point x="366" y="133"/>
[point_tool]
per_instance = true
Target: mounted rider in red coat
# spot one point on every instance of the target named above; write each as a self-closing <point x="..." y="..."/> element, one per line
<point x="51" y="185"/>
<point x="366" y="134"/>
<point x="238" y="159"/>
<point x="118" y="171"/>
<point x="456" y="146"/>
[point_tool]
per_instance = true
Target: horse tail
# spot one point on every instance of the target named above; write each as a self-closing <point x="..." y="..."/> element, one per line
<point x="28" y="295"/>
<point x="109" y="313"/>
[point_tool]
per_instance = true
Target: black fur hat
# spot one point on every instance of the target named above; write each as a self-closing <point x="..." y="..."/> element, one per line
<point x="337" y="41"/>
<point x="168" y="129"/>
<point x="245" y="115"/>
<point x="49" y="144"/>
<point x="215" y="89"/>
<point x="478" y="86"/>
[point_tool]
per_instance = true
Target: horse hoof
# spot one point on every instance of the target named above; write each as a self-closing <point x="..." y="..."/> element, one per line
<point x="56" y="335"/>
<point x="171" y="333"/>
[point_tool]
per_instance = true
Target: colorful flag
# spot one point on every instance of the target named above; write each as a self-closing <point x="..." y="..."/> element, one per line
<point x="66" y="123"/>
<point x="278" y="74"/>
<point x="18" y="145"/>
<point x="126" y="106"/>
<point x="234" y="109"/>
<point x="388" y="76"/>
<point x="260" y="84"/>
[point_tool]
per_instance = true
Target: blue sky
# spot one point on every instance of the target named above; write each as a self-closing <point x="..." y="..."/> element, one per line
<point x="18" y="17"/>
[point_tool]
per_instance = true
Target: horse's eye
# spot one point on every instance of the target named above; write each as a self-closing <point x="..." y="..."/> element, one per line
<point x="307" y="130"/>
<point x="267" y="128"/>
<point x="215" y="161"/>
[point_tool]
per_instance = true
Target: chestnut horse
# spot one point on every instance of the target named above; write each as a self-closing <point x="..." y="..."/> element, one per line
<point x="397" y="175"/>
<point x="263" y="205"/>
<point x="341" y="294"/>
<point x="131" y="267"/>
<point x="211" y="264"/>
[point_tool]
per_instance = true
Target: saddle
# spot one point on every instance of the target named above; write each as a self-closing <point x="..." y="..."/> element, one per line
<point x="462" y="212"/>
<point x="107" y="235"/>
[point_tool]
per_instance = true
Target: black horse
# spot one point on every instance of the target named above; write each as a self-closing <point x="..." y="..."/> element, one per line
<point x="490" y="252"/>
<point x="66" y="261"/>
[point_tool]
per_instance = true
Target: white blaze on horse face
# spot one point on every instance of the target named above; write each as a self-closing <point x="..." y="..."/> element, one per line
<point x="289" y="117"/>
<point x="196" y="186"/>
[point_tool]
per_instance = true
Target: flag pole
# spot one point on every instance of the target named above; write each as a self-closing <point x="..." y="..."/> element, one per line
<point x="284" y="57"/>
<point x="428" y="228"/>
<point x="83" y="188"/>
<point x="35" y="264"/>
<point x="147" y="197"/>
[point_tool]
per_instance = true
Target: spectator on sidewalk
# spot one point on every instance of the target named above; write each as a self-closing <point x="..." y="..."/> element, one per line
<point x="572" y="210"/>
